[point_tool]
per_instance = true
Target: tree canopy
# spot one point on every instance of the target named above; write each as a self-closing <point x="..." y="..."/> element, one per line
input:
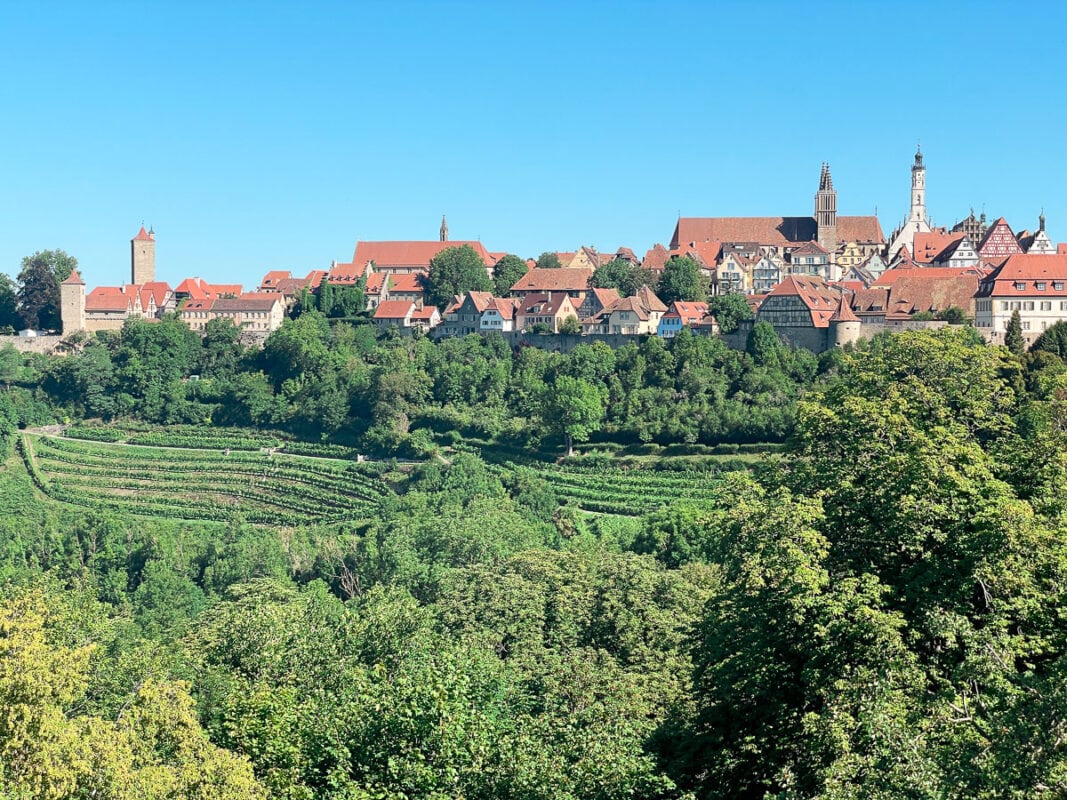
<point x="506" y="272"/>
<point x="455" y="270"/>
<point x="682" y="280"/>
<point x="38" y="292"/>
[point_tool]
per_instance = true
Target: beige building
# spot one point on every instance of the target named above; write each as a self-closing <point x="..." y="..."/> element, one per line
<point x="252" y="312"/>
<point x="1034" y="285"/>
<point x="636" y="315"/>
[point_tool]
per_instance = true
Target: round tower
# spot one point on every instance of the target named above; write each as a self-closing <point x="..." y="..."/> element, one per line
<point x="72" y="303"/>
<point x="845" y="326"/>
<point x="143" y="257"/>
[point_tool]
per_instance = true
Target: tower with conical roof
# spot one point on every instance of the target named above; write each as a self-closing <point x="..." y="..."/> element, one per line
<point x="143" y="257"/>
<point x="826" y="211"/>
<point x="72" y="303"/>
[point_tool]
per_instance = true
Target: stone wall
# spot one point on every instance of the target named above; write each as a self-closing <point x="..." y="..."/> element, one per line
<point x="32" y="344"/>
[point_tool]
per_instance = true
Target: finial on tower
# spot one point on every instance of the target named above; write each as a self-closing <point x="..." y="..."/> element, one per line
<point x="1041" y="220"/>
<point x="444" y="229"/>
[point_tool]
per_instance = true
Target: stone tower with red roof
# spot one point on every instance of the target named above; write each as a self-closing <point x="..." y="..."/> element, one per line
<point x="143" y="257"/>
<point x="72" y="303"/>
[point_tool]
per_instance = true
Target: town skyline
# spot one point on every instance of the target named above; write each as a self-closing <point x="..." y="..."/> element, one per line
<point x="306" y="134"/>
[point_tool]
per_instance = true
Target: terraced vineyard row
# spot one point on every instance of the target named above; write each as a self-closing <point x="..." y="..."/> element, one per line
<point x="208" y="484"/>
<point x="630" y="492"/>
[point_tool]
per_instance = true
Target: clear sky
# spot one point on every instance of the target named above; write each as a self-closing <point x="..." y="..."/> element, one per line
<point x="269" y="135"/>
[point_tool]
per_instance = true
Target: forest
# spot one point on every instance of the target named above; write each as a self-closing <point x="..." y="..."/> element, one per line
<point x="760" y="574"/>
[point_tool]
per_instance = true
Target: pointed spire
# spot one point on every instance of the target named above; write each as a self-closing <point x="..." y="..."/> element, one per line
<point x="1041" y="220"/>
<point x="74" y="280"/>
<point x="844" y="312"/>
<point x="826" y="183"/>
<point x="444" y="229"/>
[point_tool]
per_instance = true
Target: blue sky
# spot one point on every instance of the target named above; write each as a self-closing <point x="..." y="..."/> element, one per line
<point x="268" y="135"/>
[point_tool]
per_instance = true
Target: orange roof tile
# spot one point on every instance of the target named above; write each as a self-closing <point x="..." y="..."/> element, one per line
<point x="562" y="279"/>
<point x="394" y="309"/>
<point x="778" y="231"/>
<point x="1019" y="274"/>
<point x="144" y="236"/>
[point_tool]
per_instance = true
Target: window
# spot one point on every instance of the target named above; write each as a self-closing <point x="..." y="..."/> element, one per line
<point x="1028" y="305"/>
<point x="1026" y="326"/>
<point x="1046" y="305"/>
<point x="1019" y="286"/>
<point x="1057" y="285"/>
<point x="1041" y="285"/>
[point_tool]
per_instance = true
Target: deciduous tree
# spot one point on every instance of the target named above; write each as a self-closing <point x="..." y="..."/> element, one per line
<point x="38" y="294"/>
<point x="682" y="280"/>
<point x="506" y="272"/>
<point x="455" y="270"/>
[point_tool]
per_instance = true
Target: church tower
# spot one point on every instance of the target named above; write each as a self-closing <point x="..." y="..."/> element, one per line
<point x="918" y="190"/>
<point x="143" y="257"/>
<point x="826" y="212"/>
<point x="444" y="229"/>
<point x="72" y="303"/>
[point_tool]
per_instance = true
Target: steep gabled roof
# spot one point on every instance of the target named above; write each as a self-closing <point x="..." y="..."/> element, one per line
<point x="74" y="279"/>
<point x="144" y="236"/>
<point x="821" y="298"/>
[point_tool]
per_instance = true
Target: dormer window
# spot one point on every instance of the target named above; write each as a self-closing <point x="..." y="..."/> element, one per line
<point x="1020" y="286"/>
<point x="1057" y="285"/>
<point x="1041" y="285"/>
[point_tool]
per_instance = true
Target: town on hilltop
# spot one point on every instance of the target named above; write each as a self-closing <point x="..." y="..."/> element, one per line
<point x="821" y="281"/>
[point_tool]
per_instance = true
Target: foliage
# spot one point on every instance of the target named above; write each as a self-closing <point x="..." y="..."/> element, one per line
<point x="1053" y="340"/>
<point x="623" y="275"/>
<point x="455" y="270"/>
<point x="682" y="280"/>
<point x="548" y="260"/>
<point x="572" y="409"/>
<point x="1013" y="336"/>
<point x="729" y="310"/>
<point x="506" y="272"/>
<point x="38" y="293"/>
<point x="953" y="315"/>
<point x="9" y="316"/>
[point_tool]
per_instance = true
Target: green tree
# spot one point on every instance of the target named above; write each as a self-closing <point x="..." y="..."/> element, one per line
<point x="622" y="275"/>
<point x="729" y="310"/>
<point x="506" y="272"/>
<point x="682" y="280"/>
<point x="571" y="326"/>
<point x="572" y="408"/>
<point x="1013" y="336"/>
<point x="1053" y="340"/>
<point x="763" y="345"/>
<point x="548" y="260"/>
<point x="455" y="270"/>
<point x="9" y="316"/>
<point x="38" y="294"/>
<point x="221" y="348"/>
<point x="953" y="315"/>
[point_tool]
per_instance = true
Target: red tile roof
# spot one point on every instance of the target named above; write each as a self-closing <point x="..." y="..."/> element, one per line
<point x="890" y="276"/>
<point x="1019" y="274"/>
<point x="408" y="283"/>
<point x="928" y="246"/>
<point x="919" y="292"/>
<point x="392" y="255"/>
<point x="109" y="298"/>
<point x="563" y="279"/>
<point x="273" y="278"/>
<point x="74" y="279"/>
<point x="144" y="236"/>
<point x="249" y="301"/>
<point x="821" y="298"/>
<point x="690" y="313"/>
<point x="394" y="309"/>
<point x="844" y="311"/>
<point x="375" y="282"/>
<point x="778" y="231"/>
